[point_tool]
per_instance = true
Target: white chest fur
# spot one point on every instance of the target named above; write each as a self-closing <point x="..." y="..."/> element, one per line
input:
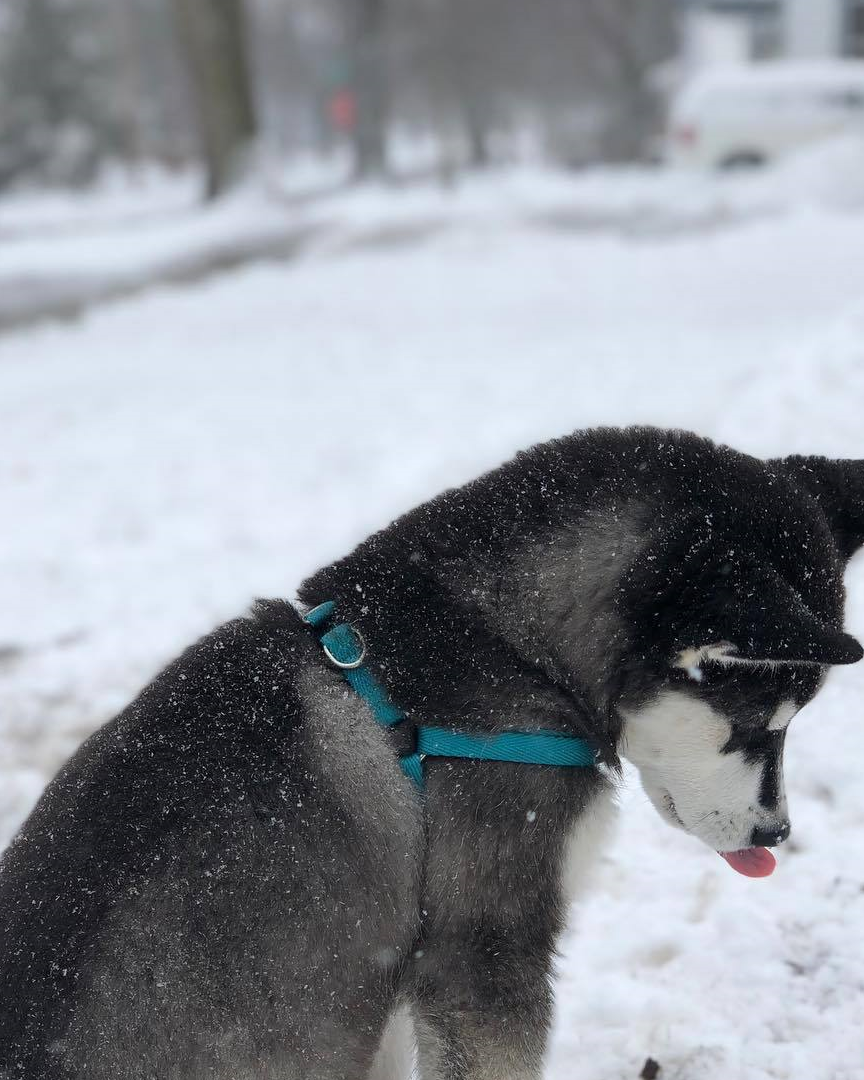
<point x="592" y="830"/>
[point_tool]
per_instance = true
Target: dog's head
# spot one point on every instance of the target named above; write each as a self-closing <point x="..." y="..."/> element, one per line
<point x="733" y="620"/>
<point x="690" y="600"/>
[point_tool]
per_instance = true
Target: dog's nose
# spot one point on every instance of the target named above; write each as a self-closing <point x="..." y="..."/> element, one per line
<point x="770" y="837"/>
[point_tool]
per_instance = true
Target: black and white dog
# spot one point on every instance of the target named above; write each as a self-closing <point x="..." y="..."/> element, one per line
<point x="233" y="879"/>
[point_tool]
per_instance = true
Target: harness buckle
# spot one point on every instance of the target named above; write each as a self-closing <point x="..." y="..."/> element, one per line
<point x="346" y="665"/>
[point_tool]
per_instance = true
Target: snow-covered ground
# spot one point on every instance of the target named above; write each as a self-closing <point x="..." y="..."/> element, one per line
<point x="164" y="460"/>
<point x="59" y="253"/>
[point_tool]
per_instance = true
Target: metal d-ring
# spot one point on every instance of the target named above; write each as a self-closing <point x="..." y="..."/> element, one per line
<point x="347" y="665"/>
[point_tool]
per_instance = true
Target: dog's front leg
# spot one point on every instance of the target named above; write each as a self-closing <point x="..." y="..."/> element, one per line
<point x="483" y="1006"/>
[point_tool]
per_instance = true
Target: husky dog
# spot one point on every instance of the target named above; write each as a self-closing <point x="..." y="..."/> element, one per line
<point x="234" y="880"/>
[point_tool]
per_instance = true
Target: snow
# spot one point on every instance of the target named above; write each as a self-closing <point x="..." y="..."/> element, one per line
<point x="71" y="251"/>
<point x="165" y="459"/>
<point x="123" y="242"/>
<point x="118" y="196"/>
<point x="830" y="173"/>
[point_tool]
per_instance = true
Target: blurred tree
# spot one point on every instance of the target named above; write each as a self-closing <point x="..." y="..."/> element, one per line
<point x="444" y="84"/>
<point x="632" y="38"/>
<point x="367" y="36"/>
<point x="56" y="113"/>
<point x="448" y="74"/>
<point x="213" y="36"/>
<point x="294" y="45"/>
<point x="152" y="92"/>
<point x="472" y="44"/>
<point x="571" y="78"/>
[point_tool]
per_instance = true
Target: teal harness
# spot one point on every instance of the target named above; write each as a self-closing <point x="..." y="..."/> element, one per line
<point x="345" y="649"/>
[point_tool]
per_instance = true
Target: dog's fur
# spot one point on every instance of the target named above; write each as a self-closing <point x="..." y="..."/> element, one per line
<point x="233" y="879"/>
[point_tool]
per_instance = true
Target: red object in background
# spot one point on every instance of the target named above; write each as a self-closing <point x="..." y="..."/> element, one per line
<point x="686" y="134"/>
<point x="342" y="110"/>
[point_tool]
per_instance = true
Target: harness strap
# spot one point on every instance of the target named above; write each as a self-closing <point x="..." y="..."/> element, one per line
<point x="345" y="648"/>
<point x="527" y="747"/>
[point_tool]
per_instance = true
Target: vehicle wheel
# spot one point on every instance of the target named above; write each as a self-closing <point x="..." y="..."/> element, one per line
<point x="743" y="159"/>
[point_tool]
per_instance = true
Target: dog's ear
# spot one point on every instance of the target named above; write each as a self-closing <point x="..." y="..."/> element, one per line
<point x="752" y="614"/>
<point x="838" y="487"/>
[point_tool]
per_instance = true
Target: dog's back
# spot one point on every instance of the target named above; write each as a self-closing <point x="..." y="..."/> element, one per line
<point x="165" y="911"/>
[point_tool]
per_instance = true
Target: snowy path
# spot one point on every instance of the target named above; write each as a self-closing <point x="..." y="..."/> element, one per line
<point x="63" y="255"/>
<point x="163" y="461"/>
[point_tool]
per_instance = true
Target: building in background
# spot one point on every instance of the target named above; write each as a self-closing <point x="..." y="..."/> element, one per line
<point x="729" y="31"/>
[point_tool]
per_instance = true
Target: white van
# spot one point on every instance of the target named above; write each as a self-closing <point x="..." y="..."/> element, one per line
<point x="750" y="115"/>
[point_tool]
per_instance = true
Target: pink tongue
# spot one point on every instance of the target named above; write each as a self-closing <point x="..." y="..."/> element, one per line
<point x="751" y="862"/>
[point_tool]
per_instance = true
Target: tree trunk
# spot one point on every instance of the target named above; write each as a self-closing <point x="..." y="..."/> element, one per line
<point x="213" y="37"/>
<point x="635" y="35"/>
<point x="367" y="32"/>
<point x="475" y="131"/>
